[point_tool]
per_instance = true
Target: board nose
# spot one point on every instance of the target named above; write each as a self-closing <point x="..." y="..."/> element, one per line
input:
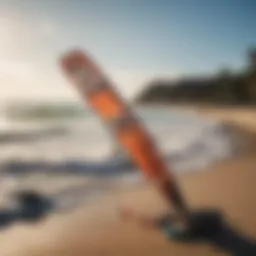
<point x="73" y="60"/>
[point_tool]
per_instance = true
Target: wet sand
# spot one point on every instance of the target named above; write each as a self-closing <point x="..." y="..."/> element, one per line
<point x="96" y="229"/>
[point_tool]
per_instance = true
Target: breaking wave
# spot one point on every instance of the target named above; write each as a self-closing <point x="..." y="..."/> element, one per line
<point x="82" y="147"/>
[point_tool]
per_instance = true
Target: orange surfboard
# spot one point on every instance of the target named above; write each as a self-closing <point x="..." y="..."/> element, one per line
<point x="96" y="89"/>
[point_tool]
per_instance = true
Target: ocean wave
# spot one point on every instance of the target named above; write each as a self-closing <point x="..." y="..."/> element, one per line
<point x="187" y="143"/>
<point x="25" y="136"/>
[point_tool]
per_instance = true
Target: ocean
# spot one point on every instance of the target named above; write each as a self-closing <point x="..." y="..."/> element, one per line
<point x="51" y="156"/>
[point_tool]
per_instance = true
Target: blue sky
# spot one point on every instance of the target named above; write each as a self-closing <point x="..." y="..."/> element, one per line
<point x="133" y="40"/>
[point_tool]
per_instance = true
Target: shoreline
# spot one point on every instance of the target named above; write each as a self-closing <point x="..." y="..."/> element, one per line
<point x="239" y="116"/>
<point x="96" y="229"/>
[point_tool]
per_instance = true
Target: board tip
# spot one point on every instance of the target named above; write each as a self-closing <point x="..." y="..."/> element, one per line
<point x="73" y="59"/>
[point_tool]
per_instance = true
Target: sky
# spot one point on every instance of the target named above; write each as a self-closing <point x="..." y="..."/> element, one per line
<point x="133" y="41"/>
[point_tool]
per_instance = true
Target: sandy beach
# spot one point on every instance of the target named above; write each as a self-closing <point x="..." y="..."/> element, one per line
<point x="97" y="229"/>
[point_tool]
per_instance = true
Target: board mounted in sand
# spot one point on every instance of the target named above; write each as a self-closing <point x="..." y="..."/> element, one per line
<point x="98" y="91"/>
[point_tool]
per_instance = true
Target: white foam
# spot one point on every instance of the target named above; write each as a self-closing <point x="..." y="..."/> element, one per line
<point x="188" y="142"/>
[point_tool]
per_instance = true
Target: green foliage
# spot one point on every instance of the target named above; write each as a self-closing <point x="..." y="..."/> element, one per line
<point x="226" y="87"/>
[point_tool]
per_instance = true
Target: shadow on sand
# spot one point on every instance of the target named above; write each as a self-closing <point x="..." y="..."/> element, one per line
<point x="209" y="227"/>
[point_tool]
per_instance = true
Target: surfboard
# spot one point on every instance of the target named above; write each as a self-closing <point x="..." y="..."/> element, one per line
<point x="96" y="90"/>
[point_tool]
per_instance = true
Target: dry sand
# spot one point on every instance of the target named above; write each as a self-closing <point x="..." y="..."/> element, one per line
<point x="97" y="230"/>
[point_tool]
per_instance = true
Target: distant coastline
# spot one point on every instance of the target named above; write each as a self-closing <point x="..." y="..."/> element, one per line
<point x="226" y="87"/>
